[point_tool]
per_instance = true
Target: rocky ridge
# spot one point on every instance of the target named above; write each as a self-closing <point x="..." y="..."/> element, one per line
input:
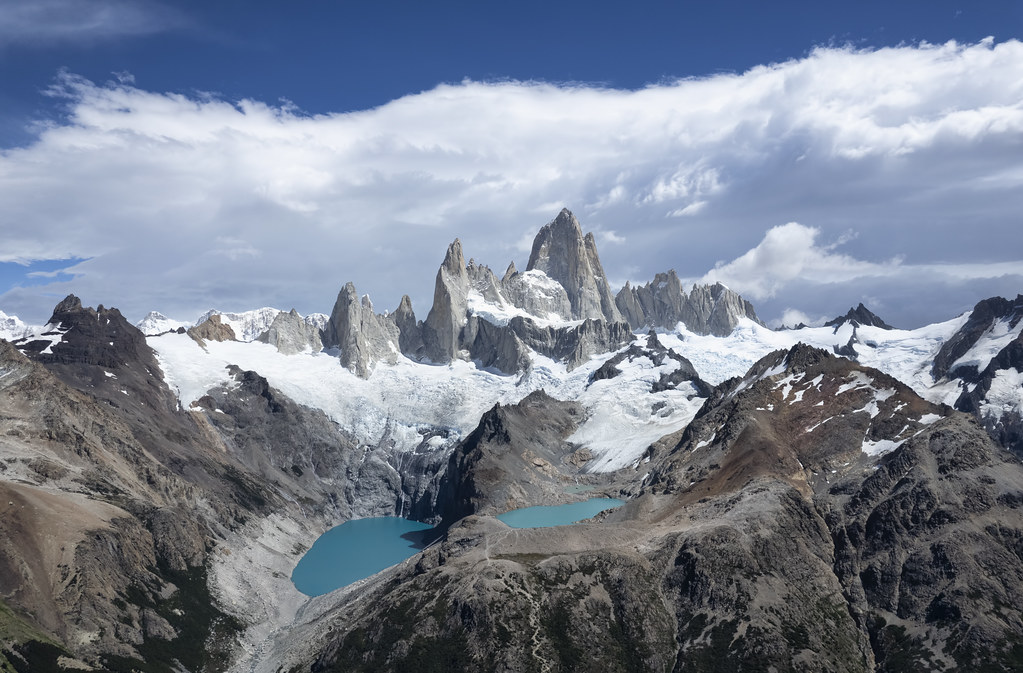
<point x="707" y="309"/>
<point x="560" y="307"/>
<point x="120" y="505"/>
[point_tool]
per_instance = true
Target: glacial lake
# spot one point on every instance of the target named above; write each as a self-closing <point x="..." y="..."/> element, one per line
<point x="355" y="550"/>
<point x="545" y="516"/>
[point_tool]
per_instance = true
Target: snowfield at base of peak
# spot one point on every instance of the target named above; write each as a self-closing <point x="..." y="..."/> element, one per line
<point x="408" y="398"/>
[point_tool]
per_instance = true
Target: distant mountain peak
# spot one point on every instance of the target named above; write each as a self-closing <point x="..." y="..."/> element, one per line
<point x="860" y="316"/>
<point x="157" y="323"/>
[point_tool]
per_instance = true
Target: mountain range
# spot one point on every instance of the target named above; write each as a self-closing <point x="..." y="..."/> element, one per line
<point x="840" y="498"/>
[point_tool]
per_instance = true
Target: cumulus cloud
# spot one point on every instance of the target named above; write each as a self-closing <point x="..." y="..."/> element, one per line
<point x="894" y="162"/>
<point x="44" y="22"/>
<point x="788" y="253"/>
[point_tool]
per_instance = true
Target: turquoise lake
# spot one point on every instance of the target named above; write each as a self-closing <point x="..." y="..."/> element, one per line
<point x="362" y="547"/>
<point x="557" y="515"/>
<point x="355" y="550"/>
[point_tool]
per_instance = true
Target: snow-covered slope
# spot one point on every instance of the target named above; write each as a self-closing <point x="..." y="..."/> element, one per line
<point x="12" y="327"/>
<point x="905" y="354"/>
<point x="401" y="402"/>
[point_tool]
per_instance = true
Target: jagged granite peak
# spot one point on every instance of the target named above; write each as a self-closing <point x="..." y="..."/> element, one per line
<point x="659" y="303"/>
<point x="708" y="309"/>
<point x="859" y="316"/>
<point x="361" y="336"/>
<point x="443" y="326"/>
<point x="290" y="334"/>
<point x="716" y="309"/>
<point x="509" y="272"/>
<point x="410" y="331"/>
<point x="628" y="303"/>
<point x="562" y="252"/>
<point x="484" y="282"/>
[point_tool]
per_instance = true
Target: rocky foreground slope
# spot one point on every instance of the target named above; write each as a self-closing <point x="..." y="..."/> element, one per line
<point x="848" y="507"/>
<point x="816" y="515"/>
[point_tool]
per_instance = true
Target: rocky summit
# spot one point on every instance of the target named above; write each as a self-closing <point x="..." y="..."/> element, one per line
<point x="839" y="498"/>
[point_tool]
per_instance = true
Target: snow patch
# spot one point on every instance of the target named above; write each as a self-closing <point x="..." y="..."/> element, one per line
<point x="880" y="447"/>
<point x="859" y="380"/>
<point x="999" y="335"/>
<point x="1005" y="394"/>
<point x="706" y="442"/>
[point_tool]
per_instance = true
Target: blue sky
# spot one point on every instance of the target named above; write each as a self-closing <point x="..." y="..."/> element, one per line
<point x="186" y="155"/>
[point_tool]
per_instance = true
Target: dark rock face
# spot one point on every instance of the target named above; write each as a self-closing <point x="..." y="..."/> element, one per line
<point x="983" y="316"/>
<point x="859" y="316"/>
<point x="98" y="350"/>
<point x="315" y="461"/>
<point x="516" y="457"/>
<point x="1004" y="425"/>
<point x="562" y="252"/>
<point x="572" y="345"/>
<point x="495" y="346"/>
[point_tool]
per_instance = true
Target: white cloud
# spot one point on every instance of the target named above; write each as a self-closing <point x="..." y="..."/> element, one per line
<point x="792" y="317"/>
<point x="610" y="237"/>
<point x="181" y="202"/>
<point x="788" y="253"/>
